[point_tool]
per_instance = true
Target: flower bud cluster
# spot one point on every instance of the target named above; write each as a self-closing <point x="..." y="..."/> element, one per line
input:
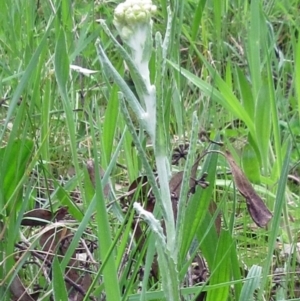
<point x="132" y="13"/>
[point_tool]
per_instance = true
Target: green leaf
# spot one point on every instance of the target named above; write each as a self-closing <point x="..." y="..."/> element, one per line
<point x="58" y="283"/>
<point x="246" y="93"/>
<point x="169" y="274"/>
<point x="236" y="270"/>
<point x="251" y="284"/>
<point x="13" y="161"/>
<point x="106" y="245"/>
<point x="254" y="46"/>
<point x="197" y="208"/>
<point x="167" y="265"/>
<point x="221" y="271"/>
<point x="297" y="73"/>
<point x="223" y="95"/>
<point x="110" y="70"/>
<point x="197" y="19"/>
<point x="263" y="122"/>
<point x="61" y="62"/>
<point x="26" y="76"/>
<point x="280" y="207"/>
<point x="251" y="164"/>
<point x="110" y="122"/>
<point x="160" y="143"/>
<point x="185" y="184"/>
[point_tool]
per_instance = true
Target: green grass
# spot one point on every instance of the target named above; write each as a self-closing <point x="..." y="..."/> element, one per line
<point x="230" y="69"/>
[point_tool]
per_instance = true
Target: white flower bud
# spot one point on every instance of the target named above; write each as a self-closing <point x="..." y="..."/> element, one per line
<point x="141" y="16"/>
<point x="132" y="12"/>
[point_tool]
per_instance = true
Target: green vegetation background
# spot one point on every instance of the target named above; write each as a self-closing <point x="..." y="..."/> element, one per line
<point x="235" y="63"/>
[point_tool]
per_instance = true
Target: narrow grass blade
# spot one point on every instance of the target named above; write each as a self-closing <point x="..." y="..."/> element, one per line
<point x="25" y="78"/>
<point x="62" y="69"/>
<point x="236" y="271"/>
<point x="197" y="18"/>
<point x="254" y="51"/>
<point x="58" y="283"/>
<point x="244" y="87"/>
<point x="251" y="164"/>
<point x="297" y="73"/>
<point x="263" y="122"/>
<point x="280" y="207"/>
<point x="197" y="209"/>
<point x="185" y="186"/>
<point x="61" y="63"/>
<point x="111" y="71"/>
<point x="110" y="122"/>
<point x="223" y="95"/>
<point x="106" y="246"/>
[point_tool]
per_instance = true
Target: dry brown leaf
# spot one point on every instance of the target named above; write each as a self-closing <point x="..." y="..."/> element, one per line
<point x="90" y="165"/>
<point x="140" y="188"/>
<point x="82" y="280"/>
<point x="52" y="238"/>
<point x="218" y="222"/>
<point x="18" y="290"/>
<point x="259" y="212"/>
<point x="59" y="240"/>
<point x="41" y="217"/>
<point x="175" y="182"/>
